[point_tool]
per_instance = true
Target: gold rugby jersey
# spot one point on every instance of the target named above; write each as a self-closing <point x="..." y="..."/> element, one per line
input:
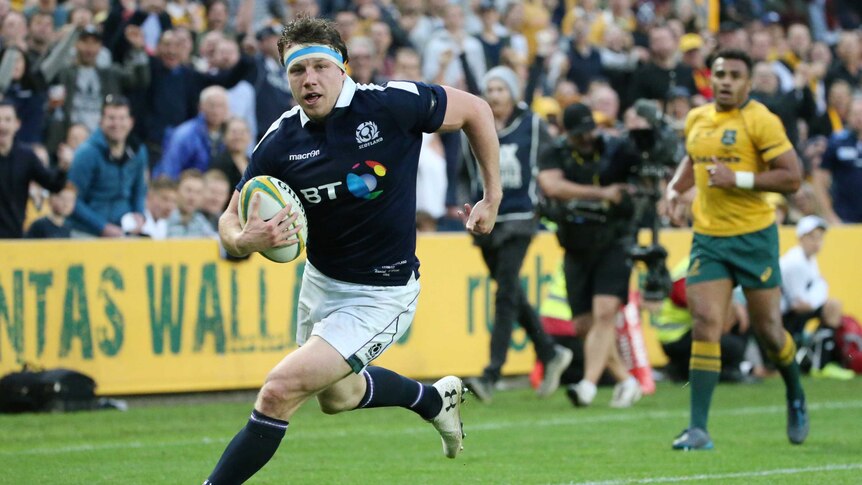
<point x="744" y="139"/>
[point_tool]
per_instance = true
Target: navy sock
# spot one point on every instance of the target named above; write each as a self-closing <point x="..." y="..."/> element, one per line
<point x="386" y="388"/>
<point x="249" y="450"/>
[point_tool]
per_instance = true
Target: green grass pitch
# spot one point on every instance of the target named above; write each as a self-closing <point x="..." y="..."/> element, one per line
<point x="516" y="440"/>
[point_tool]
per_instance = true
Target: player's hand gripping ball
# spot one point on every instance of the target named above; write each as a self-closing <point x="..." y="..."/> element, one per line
<point x="274" y="196"/>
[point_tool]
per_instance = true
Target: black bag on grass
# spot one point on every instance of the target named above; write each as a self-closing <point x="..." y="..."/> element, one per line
<point x="47" y="391"/>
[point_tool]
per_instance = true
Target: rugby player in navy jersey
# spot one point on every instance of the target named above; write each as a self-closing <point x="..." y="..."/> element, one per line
<point x="351" y="153"/>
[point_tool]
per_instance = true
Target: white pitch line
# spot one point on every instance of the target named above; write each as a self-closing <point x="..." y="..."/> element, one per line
<point x="638" y="416"/>
<point x="719" y="476"/>
<point x="573" y="420"/>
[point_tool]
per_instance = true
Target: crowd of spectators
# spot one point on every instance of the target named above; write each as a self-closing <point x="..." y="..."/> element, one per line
<point x="153" y="106"/>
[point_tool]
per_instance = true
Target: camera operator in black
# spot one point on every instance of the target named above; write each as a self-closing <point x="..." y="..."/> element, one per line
<point x="584" y="179"/>
<point x="522" y="136"/>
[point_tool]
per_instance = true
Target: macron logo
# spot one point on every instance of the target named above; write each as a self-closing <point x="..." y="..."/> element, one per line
<point x="304" y="156"/>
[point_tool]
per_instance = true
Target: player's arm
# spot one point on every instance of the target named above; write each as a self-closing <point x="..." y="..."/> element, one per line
<point x="784" y="175"/>
<point x="472" y="114"/>
<point x="683" y="177"/>
<point x="257" y="235"/>
<point x="679" y="190"/>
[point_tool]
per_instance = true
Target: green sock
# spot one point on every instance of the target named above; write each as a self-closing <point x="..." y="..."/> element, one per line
<point x="785" y="360"/>
<point x="705" y="367"/>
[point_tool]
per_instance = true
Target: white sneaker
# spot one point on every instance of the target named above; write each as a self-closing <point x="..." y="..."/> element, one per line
<point x="626" y="393"/>
<point x="448" y="421"/>
<point x="553" y="370"/>
<point x="582" y="393"/>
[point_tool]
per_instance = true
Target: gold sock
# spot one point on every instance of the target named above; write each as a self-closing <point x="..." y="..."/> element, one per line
<point x="705" y="356"/>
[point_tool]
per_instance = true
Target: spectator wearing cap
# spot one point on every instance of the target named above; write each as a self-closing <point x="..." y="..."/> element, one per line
<point x="85" y="85"/>
<point x="790" y="107"/>
<point x="804" y="291"/>
<point x="654" y="79"/>
<point x="838" y="180"/>
<point x="691" y="47"/>
<point x="110" y="174"/>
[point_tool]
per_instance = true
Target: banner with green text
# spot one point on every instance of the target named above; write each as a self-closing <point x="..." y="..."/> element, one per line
<point x="172" y="316"/>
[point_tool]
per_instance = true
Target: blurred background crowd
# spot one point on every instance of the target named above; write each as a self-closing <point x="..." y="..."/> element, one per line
<point x="153" y="107"/>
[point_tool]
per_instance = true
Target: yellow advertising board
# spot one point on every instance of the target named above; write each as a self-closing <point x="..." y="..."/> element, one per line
<point x="172" y="316"/>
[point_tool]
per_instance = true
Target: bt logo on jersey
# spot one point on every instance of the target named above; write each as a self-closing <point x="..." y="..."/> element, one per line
<point x="362" y="185"/>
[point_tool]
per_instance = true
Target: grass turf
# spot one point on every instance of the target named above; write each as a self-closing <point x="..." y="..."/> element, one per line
<point x="518" y="439"/>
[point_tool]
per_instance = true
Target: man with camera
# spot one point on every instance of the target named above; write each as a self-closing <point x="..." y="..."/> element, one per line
<point x="584" y="178"/>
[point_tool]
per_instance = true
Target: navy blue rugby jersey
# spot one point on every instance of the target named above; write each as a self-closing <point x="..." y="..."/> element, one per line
<point x="356" y="176"/>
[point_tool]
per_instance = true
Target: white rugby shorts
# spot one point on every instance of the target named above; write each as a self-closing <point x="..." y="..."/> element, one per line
<point x="359" y="321"/>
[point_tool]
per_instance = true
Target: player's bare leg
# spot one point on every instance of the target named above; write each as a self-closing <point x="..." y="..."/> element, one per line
<point x="299" y="376"/>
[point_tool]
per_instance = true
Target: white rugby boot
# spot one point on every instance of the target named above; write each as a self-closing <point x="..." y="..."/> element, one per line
<point x="448" y="421"/>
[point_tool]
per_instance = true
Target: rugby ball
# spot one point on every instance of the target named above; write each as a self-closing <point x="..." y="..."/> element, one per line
<point x="274" y="196"/>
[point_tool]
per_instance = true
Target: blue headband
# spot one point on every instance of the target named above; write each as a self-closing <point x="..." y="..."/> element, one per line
<point x="313" y="51"/>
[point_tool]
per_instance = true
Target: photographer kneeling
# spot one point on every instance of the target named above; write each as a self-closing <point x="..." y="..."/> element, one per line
<point x="583" y="178"/>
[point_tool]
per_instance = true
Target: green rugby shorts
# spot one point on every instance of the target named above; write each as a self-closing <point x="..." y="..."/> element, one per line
<point x="749" y="260"/>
